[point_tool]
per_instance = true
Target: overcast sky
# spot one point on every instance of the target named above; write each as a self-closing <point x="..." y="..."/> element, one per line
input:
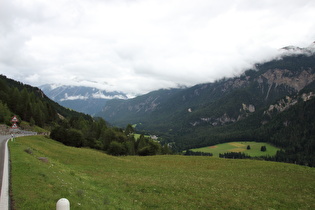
<point x="137" y="46"/>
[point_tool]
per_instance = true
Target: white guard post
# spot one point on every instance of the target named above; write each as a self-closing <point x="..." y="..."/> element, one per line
<point x="63" y="204"/>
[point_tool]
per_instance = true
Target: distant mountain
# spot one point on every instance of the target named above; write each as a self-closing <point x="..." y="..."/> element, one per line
<point x="87" y="100"/>
<point x="256" y="105"/>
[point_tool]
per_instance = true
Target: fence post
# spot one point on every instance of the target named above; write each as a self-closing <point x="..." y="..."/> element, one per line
<point x="63" y="204"/>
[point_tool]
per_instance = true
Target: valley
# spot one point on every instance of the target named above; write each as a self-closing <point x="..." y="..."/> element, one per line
<point x="97" y="161"/>
<point x="164" y="105"/>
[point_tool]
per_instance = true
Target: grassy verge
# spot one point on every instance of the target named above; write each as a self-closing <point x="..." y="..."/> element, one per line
<point x="34" y="128"/>
<point x="240" y="147"/>
<point x="43" y="171"/>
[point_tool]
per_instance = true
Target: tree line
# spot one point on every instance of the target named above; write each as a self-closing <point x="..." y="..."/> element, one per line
<point x="197" y="153"/>
<point x="234" y="155"/>
<point x="96" y="134"/>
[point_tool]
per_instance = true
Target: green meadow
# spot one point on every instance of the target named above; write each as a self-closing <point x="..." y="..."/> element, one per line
<point x="43" y="171"/>
<point x="137" y="136"/>
<point x="254" y="150"/>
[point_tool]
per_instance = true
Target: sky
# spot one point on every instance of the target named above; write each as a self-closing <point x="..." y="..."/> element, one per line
<point x="137" y="46"/>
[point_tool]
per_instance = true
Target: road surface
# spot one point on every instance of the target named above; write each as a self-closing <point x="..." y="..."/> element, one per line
<point x="4" y="173"/>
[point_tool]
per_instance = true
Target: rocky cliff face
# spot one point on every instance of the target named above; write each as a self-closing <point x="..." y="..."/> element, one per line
<point x="244" y="112"/>
<point x="286" y="77"/>
<point x="287" y="102"/>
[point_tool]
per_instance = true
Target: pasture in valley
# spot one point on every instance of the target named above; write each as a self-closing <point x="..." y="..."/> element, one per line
<point x="254" y="150"/>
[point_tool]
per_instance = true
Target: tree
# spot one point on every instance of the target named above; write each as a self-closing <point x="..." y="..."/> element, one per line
<point x="116" y="148"/>
<point x="129" y="130"/>
<point x="248" y="147"/>
<point x="141" y="142"/>
<point x="14" y="99"/>
<point x="130" y="145"/>
<point x="263" y="148"/>
<point x="32" y="121"/>
<point x="107" y="136"/>
<point x="151" y="148"/>
<point x="58" y="133"/>
<point x="165" y="150"/>
<point x="5" y="113"/>
<point x="74" y="138"/>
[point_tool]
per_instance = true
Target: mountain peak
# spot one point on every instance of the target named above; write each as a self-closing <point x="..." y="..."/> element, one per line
<point x="291" y="50"/>
<point x="84" y="99"/>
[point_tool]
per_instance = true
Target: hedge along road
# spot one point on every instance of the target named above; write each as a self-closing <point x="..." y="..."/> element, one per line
<point x="4" y="167"/>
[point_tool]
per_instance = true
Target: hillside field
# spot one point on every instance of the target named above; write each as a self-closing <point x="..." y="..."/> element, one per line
<point x="43" y="171"/>
<point x="254" y="150"/>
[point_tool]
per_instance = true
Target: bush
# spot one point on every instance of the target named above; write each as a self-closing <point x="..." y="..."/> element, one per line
<point x="74" y="138"/>
<point x="69" y="137"/>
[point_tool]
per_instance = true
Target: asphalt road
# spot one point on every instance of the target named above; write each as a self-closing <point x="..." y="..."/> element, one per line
<point x="4" y="175"/>
<point x="2" y="149"/>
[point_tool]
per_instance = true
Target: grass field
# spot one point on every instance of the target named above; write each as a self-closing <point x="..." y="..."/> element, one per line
<point x="240" y="147"/>
<point x="43" y="171"/>
<point x="137" y="136"/>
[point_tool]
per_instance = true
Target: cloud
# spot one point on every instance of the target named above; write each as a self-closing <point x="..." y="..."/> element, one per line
<point x="142" y="45"/>
<point x="71" y="98"/>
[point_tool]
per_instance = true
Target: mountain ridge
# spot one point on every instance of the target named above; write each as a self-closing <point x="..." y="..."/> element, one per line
<point x="84" y="99"/>
<point x="271" y="83"/>
<point x="257" y="105"/>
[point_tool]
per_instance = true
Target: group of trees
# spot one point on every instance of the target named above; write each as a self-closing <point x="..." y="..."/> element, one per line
<point x="234" y="155"/>
<point x="96" y="134"/>
<point x="192" y="153"/>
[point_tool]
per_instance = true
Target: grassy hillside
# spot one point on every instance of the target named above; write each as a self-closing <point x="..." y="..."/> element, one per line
<point x="43" y="171"/>
<point x="254" y="150"/>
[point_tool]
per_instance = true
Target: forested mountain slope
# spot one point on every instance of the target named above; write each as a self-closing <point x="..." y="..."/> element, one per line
<point x="30" y="104"/>
<point x="263" y="104"/>
<point x="220" y="103"/>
